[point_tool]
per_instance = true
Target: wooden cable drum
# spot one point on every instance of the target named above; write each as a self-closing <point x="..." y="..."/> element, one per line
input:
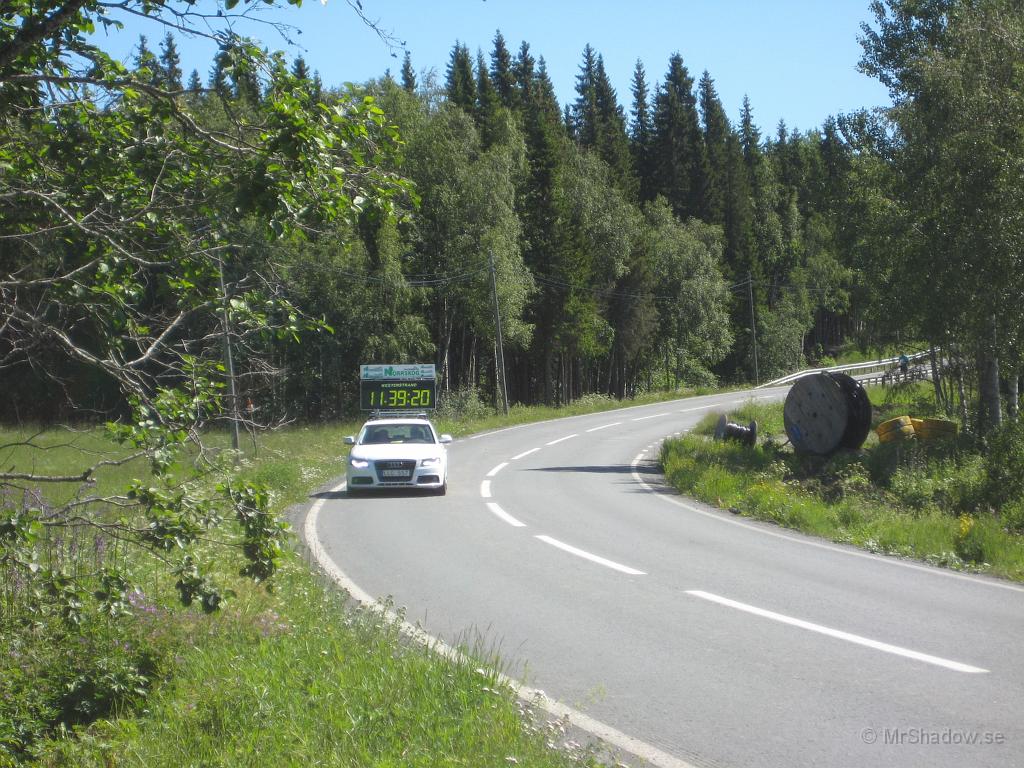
<point x="858" y="423"/>
<point x="816" y="414"/>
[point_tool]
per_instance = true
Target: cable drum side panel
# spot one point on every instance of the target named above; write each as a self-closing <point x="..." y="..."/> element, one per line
<point x="816" y="414"/>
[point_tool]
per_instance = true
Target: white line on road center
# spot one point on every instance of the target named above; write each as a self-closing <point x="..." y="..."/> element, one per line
<point x="497" y="469"/>
<point x="838" y="634"/>
<point x="563" y="439"/>
<point x="588" y="556"/>
<point x="605" y="426"/>
<point x="504" y="515"/>
<point x="654" y="416"/>
<point x="524" y="454"/>
<point x="485" y="489"/>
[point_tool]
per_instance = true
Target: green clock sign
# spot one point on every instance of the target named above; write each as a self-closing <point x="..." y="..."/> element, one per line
<point x="397" y="387"/>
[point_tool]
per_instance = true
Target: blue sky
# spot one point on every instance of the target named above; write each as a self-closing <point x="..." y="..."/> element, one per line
<point x="795" y="59"/>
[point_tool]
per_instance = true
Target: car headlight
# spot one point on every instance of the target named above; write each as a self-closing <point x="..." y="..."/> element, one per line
<point x="358" y="463"/>
<point x="431" y="462"/>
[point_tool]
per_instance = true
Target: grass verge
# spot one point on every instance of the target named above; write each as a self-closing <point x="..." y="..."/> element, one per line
<point x="920" y="500"/>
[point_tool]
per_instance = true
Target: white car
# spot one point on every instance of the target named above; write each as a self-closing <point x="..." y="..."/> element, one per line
<point x="396" y="452"/>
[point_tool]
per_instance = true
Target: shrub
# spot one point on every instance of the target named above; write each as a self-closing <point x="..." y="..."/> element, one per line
<point x="1012" y="516"/>
<point x="969" y="541"/>
<point x="1004" y="466"/>
<point x="462" y="404"/>
<point x="57" y="675"/>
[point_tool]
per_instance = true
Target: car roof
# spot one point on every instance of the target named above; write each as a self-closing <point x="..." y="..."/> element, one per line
<point x="399" y="420"/>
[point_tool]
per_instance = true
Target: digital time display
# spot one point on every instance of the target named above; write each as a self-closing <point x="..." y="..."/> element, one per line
<point x="376" y="395"/>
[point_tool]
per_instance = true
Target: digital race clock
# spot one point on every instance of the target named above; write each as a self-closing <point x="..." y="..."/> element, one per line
<point x="397" y="387"/>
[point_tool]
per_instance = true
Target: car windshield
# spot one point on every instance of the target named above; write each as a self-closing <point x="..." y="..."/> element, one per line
<point x="379" y="434"/>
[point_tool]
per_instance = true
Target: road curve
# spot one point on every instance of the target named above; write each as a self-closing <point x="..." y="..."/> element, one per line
<point x="715" y="640"/>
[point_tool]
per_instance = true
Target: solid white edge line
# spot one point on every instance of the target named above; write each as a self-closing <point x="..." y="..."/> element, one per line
<point x="497" y="469"/>
<point x="504" y="515"/>
<point x="671" y="496"/>
<point x="606" y="733"/>
<point x="562" y="439"/>
<point x="605" y="426"/>
<point x="838" y="634"/>
<point x="485" y="489"/>
<point x="524" y="454"/>
<point x="589" y="556"/>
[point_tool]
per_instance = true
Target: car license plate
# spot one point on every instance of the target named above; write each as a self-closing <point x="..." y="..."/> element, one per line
<point x="395" y="473"/>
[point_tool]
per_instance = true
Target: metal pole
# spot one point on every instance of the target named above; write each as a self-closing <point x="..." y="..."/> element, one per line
<point x="753" y="324"/>
<point x="230" y="361"/>
<point x="497" y="328"/>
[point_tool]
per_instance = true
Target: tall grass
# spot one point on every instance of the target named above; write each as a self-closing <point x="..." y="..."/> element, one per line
<point x="296" y="677"/>
<point x="924" y="500"/>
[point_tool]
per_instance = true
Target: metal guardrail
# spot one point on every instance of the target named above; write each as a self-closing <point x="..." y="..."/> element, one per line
<point x="884" y="366"/>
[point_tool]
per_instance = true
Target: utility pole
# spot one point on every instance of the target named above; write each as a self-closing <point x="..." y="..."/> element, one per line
<point x="229" y="360"/>
<point x="497" y="328"/>
<point x="753" y="324"/>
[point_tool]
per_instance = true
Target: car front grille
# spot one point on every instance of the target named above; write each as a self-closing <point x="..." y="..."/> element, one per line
<point x="395" y="471"/>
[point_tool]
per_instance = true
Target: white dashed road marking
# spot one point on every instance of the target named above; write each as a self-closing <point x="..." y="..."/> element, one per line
<point x="563" y="439"/>
<point x="838" y="634"/>
<point x="653" y="416"/>
<point x="524" y="454"/>
<point x="605" y="426"/>
<point x="505" y="515"/>
<point x="485" y="489"/>
<point x="589" y="556"/>
<point x="497" y="469"/>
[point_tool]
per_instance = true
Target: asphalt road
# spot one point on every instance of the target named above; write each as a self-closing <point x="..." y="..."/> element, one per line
<point x="714" y="639"/>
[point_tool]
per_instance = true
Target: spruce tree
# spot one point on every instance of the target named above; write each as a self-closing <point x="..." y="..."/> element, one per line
<point x="460" y="85"/>
<point x="612" y="140"/>
<point x="147" y="64"/>
<point x="641" y="134"/>
<point x="487" y="103"/>
<point x="502" y="74"/>
<point x="300" y="70"/>
<point x="750" y="136"/>
<point x="764" y="192"/>
<point x="170" y="64"/>
<point x="195" y="84"/>
<point x="546" y="143"/>
<point x="585" y="109"/>
<point x="408" y="74"/>
<point x="524" y="71"/>
<point x="218" y="75"/>
<point x="716" y="135"/>
<point x="678" y="147"/>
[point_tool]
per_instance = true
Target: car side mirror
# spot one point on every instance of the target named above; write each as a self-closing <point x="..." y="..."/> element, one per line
<point x="445" y="439"/>
<point x="350" y="440"/>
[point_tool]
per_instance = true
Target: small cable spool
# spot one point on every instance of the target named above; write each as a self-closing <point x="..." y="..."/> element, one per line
<point x="727" y="430"/>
